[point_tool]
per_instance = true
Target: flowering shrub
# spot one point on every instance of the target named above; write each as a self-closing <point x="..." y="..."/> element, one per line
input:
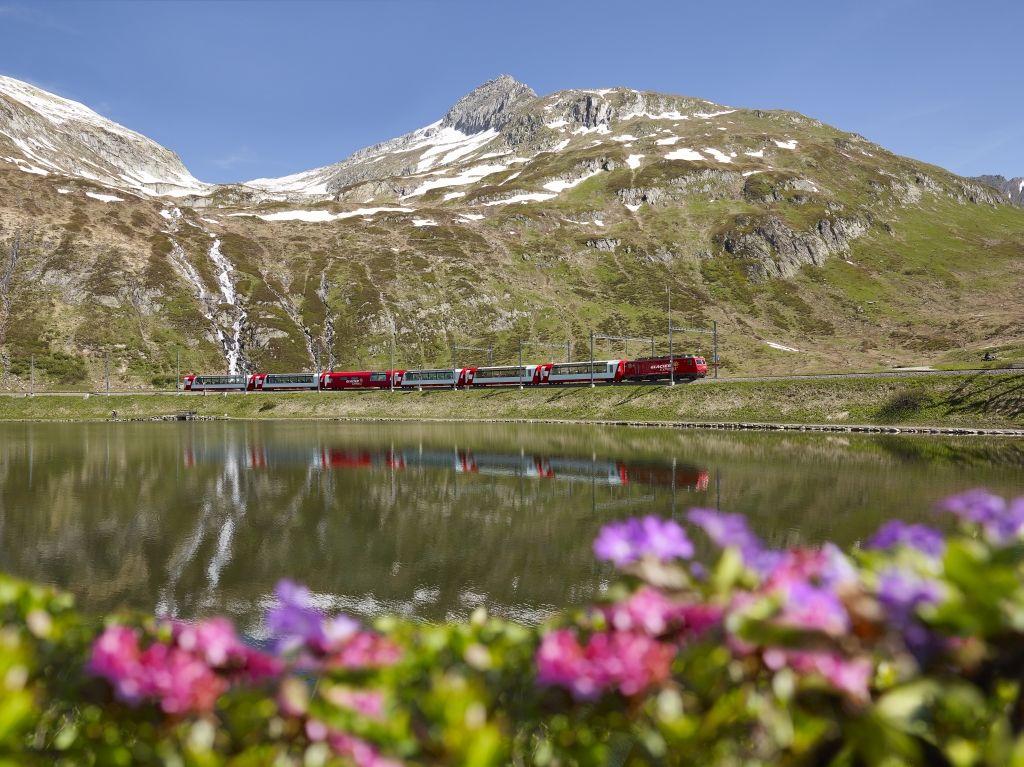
<point x="907" y="651"/>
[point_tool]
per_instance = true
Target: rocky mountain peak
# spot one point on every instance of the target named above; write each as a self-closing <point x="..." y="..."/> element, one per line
<point x="1012" y="188"/>
<point x="489" y="106"/>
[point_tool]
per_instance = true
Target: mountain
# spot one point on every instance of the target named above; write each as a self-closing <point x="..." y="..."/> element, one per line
<point x="43" y="134"/>
<point x="1013" y="188"/>
<point x="470" y="125"/>
<point x="514" y="216"/>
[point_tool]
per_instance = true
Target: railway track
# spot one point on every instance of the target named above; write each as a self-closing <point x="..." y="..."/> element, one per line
<point x="877" y="374"/>
<point x="700" y="381"/>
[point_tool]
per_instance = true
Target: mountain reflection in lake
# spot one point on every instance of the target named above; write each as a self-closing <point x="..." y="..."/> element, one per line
<point x="424" y="520"/>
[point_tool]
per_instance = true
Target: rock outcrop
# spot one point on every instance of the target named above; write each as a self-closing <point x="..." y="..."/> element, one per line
<point x="491" y="106"/>
<point x="770" y="248"/>
<point x="1012" y="189"/>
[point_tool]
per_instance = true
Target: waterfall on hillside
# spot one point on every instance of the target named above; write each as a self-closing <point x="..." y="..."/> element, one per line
<point x="211" y="303"/>
<point x="232" y="344"/>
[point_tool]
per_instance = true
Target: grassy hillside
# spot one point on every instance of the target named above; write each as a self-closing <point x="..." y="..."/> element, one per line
<point x="988" y="401"/>
<point x="797" y="234"/>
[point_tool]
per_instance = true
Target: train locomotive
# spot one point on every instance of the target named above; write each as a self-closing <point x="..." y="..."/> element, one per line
<point x="682" y="368"/>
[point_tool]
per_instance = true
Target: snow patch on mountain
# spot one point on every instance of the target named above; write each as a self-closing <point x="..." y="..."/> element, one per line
<point x="718" y="155"/>
<point x="468" y="176"/>
<point x="320" y="216"/>
<point x="561" y="184"/>
<point x="684" y="154"/>
<point x="104" y="197"/>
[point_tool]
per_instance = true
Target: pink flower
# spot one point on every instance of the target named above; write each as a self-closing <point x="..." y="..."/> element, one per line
<point x="368" y="703"/>
<point x="361" y="753"/>
<point x="621" y="660"/>
<point x="364" y="649"/>
<point x="560" y="661"/>
<point x="214" y="640"/>
<point x="850" y="676"/>
<point x="116" y="656"/>
<point x="651" y="612"/>
<point x="181" y="681"/>
<point x="188" y="673"/>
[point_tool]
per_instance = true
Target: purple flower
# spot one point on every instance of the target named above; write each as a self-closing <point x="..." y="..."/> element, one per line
<point x="815" y="609"/>
<point x="664" y="539"/>
<point x="1001" y="520"/>
<point x="724" y="529"/>
<point x="294" y="622"/>
<point x="902" y="592"/>
<point x="625" y="542"/>
<point x="731" y="530"/>
<point x="925" y="539"/>
<point x="978" y="505"/>
<point x="616" y="542"/>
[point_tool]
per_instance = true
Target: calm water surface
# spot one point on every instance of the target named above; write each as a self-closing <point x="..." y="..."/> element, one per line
<point x="426" y="520"/>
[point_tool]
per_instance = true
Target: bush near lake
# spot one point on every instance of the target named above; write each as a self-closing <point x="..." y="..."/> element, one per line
<point x="906" y="651"/>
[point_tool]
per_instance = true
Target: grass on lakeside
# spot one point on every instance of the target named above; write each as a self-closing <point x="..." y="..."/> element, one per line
<point x="969" y="401"/>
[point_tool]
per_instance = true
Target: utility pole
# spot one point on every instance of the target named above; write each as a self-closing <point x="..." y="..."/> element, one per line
<point x="591" y="359"/>
<point x="106" y="370"/>
<point x="391" y="372"/>
<point x="32" y="377"/>
<point x="671" y="361"/>
<point x="714" y="328"/>
<point x="521" y="364"/>
<point x="177" y="369"/>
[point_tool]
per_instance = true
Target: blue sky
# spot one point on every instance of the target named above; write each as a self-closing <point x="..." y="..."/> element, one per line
<point x="247" y="89"/>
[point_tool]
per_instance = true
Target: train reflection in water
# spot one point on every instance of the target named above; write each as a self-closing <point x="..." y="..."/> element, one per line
<point x="597" y="471"/>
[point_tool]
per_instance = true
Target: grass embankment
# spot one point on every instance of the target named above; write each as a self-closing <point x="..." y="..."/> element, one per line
<point x="969" y="401"/>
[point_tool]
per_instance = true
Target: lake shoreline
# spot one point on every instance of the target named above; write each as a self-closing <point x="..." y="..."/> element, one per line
<point x="990" y="405"/>
<point x="807" y="428"/>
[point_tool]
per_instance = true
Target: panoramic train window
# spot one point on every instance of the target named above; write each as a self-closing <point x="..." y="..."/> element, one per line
<point x="500" y="373"/>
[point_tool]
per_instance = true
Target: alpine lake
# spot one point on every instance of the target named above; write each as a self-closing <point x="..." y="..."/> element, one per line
<point x="427" y="520"/>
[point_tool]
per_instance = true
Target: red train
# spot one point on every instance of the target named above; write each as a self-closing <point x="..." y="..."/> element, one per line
<point x="688" y="368"/>
<point x="684" y="368"/>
